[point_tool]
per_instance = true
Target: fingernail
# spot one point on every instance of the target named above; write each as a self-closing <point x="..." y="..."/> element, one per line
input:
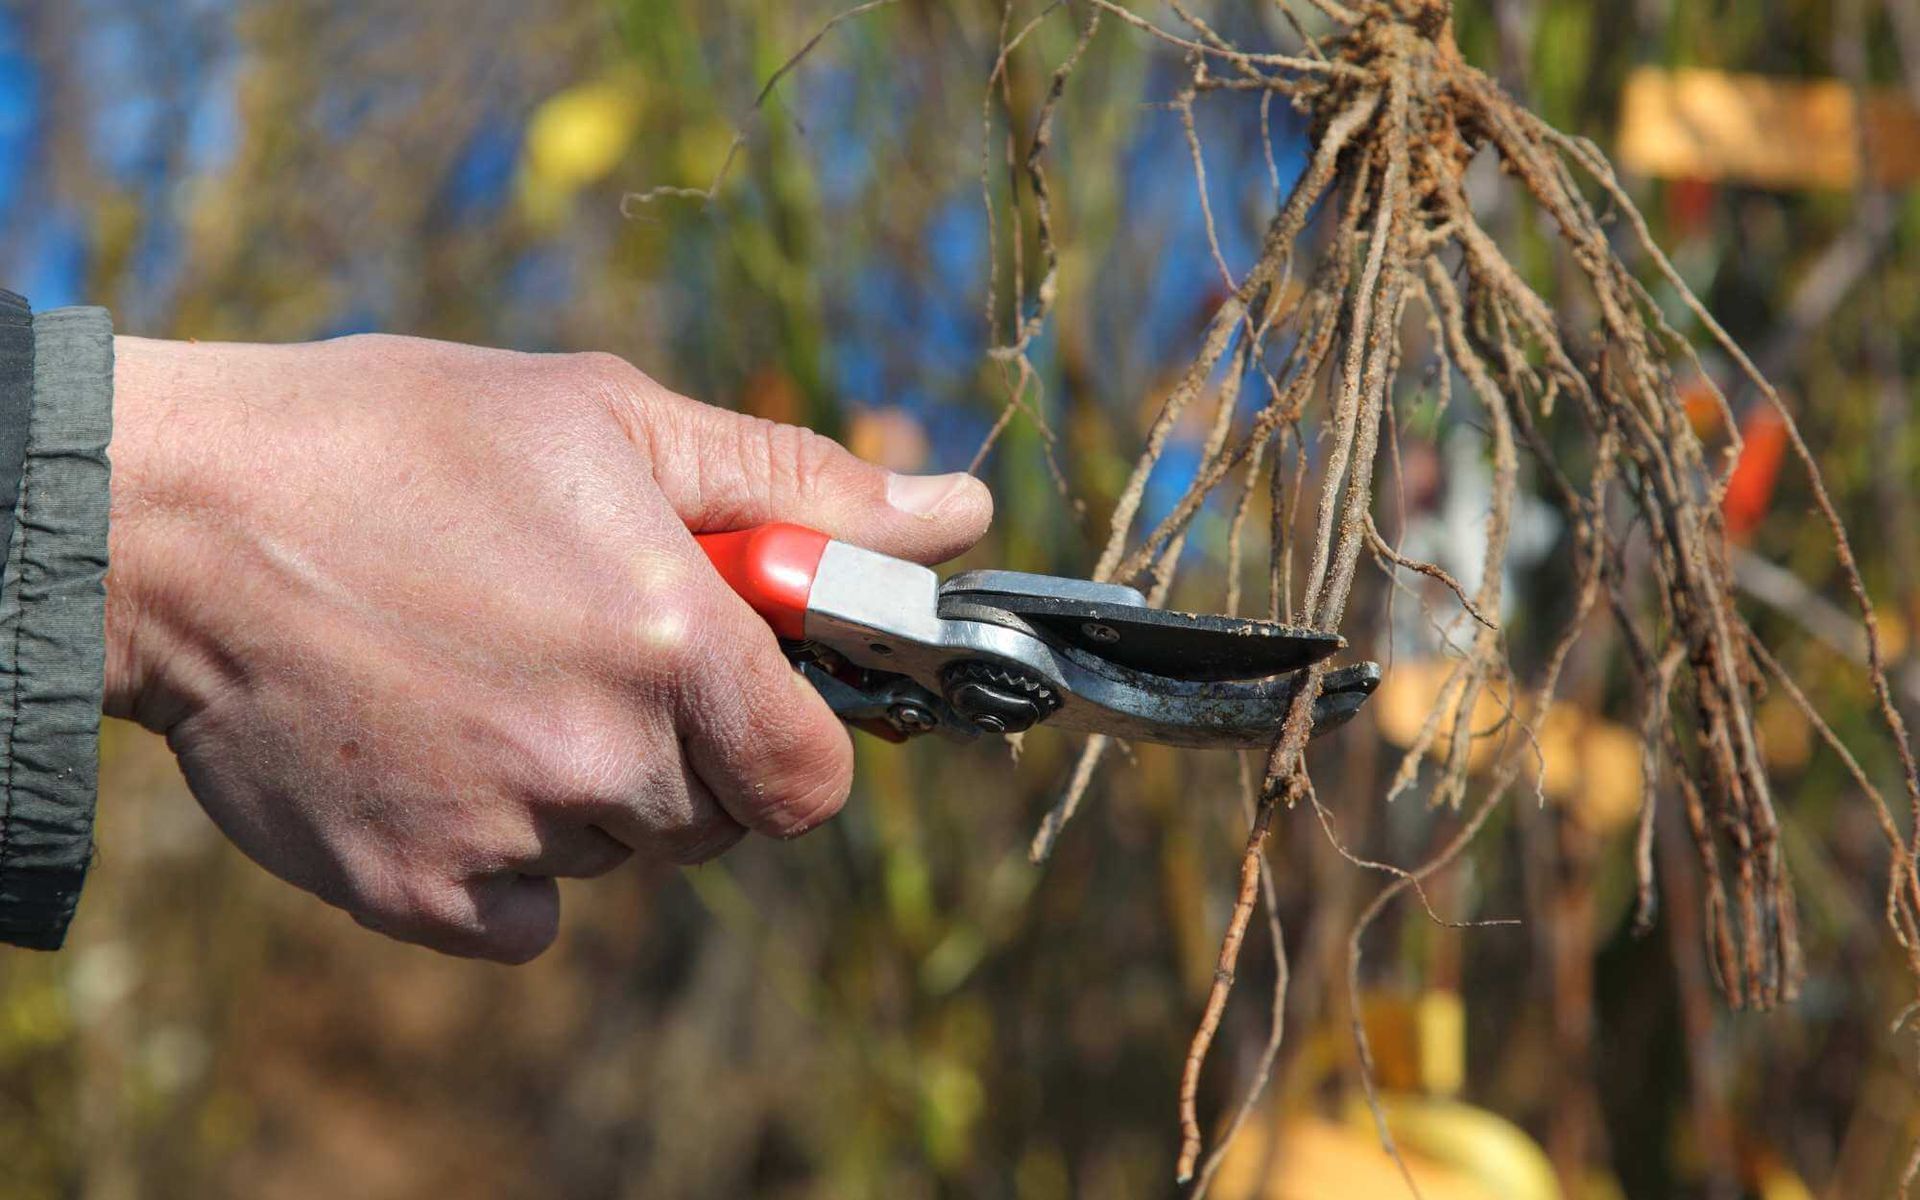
<point x="922" y="495"/>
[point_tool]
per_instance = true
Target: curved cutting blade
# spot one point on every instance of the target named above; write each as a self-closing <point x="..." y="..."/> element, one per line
<point x="1115" y="624"/>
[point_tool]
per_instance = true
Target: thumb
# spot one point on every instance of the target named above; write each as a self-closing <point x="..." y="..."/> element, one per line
<point x="721" y="470"/>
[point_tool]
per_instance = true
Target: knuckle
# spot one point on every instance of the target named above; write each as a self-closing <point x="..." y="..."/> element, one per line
<point x="663" y="636"/>
<point x="654" y="627"/>
<point x="594" y="370"/>
<point x="807" y="795"/>
<point x="651" y="658"/>
<point x="590" y="385"/>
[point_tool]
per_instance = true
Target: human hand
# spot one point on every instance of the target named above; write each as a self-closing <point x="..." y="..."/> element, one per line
<point x="427" y="628"/>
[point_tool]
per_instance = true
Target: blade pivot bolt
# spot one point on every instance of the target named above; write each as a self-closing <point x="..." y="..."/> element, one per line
<point x="999" y="699"/>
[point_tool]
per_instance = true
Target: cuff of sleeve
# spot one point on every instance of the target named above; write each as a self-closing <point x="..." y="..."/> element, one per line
<point x="53" y="631"/>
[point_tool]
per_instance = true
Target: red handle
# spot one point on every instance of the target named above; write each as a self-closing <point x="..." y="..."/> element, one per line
<point x="772" y="567"/>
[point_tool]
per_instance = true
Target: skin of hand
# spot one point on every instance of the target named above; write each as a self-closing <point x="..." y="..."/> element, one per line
<point x="427" y="629"/>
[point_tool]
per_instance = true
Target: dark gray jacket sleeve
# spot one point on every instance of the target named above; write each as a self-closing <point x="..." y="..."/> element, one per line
<point x="55" y="422"/>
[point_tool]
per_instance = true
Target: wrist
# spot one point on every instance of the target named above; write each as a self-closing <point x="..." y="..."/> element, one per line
<point x="164" y="456"/>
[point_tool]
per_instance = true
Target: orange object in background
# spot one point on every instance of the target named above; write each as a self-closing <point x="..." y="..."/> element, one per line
<point x="1691" y="205"/>
<point x="1757" y="474"/>
<point x="1763" y="451"/>
<point x="890" y="436"/>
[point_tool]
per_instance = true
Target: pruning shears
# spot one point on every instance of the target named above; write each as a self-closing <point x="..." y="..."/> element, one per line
<point x="897" y="653"/>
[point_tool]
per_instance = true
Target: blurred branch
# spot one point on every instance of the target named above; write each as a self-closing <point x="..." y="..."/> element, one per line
<point x="1841" y="267"/>
<point x="707" y="194"/>
<point x="1904" y="16"/>
<point x="1790" y="596"/>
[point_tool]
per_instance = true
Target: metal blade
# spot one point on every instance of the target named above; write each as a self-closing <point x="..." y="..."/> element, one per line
<point x="886" y="616"/>
<point x="1114" y="624"/>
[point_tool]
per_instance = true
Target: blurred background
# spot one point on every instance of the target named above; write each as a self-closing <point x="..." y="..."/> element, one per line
<point x="902" y="1005"/>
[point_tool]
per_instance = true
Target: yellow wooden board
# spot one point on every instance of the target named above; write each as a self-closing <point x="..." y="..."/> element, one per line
<point x="1752" y="129"/>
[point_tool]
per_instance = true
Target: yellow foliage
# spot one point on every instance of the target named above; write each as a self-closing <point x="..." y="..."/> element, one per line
<point x="1775" y="1180"/>
<point x="1393" y="1033"/>
<point x="1316" y="1158"/>
<point x="1893" y="635"/>
<point x="1419" y="1044"/>
<point x="1414" y="688"/>
<point x="33" y="1015"/>
<point x="1592" y="764"/>
<point x="1442" y="1020"/>
<point x="701" y="150"/>
<point x="577" y="138"/>
<point x="1787" y="738"/>
<point x="1452" y="1150"/>
<point x="1481" y="1146"/>
<point x="952" y="1100"/>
